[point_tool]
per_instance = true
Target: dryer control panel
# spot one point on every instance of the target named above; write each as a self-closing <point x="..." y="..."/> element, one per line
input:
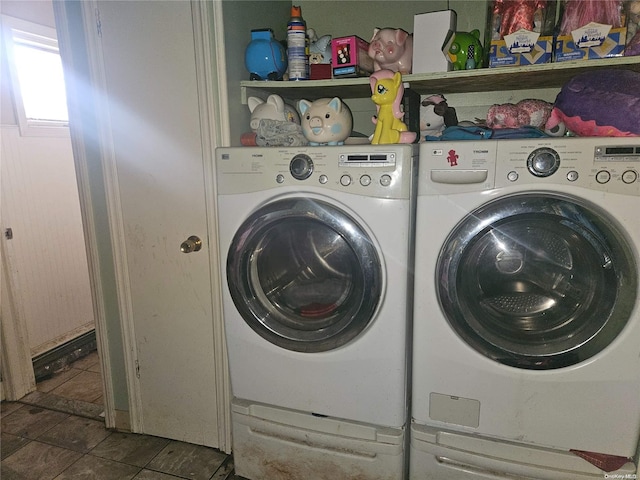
<point x="605" y="164"/>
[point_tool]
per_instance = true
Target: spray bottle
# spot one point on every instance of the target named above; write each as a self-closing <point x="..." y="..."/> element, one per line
<point x="297" y="45"/>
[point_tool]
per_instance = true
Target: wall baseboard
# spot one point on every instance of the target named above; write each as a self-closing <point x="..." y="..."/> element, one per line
<point x="45" y="365"/>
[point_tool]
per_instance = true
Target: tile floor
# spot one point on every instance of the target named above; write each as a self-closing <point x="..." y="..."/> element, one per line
<point x="57" y="433"/>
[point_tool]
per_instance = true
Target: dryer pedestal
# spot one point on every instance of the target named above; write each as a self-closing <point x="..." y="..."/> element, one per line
<point x="446" y="455"/>
<point x="277" y="443"/>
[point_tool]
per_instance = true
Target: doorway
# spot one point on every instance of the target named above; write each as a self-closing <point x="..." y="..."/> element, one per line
<point x="45" y="269"/>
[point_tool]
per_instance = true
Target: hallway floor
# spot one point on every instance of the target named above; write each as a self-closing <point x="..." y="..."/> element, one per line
<point x="58" y="433"/>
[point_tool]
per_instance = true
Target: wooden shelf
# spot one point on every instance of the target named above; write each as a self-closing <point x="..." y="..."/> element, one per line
<point x="549" y="75"/>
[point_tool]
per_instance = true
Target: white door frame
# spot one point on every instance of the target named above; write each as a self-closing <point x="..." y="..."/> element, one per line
<point x="79" y="97"/>
<point x="214" y="121"/>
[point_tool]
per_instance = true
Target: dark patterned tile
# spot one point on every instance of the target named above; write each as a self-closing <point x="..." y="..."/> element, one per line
<point x="94" y="468"/>
<point x="191" y="461"/>
<point x="8" y="407"/>
<point x="31" y="422"/>
<point x="87" y="362"/>
<point x="131" y="449"/>
<point x="151" y="475"/>
<point x="57" y="379"/>
<point x="86" y="386"/>
<point x="225" y="472"/>
<point x="95" y="368"/>
<point x="66" y="405"/>
<point x="10" y="443"/>
<point x="37" y="461"/>
<point x="76" y="433"/>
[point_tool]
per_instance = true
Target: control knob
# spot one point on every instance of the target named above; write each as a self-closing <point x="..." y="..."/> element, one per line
<point x="301" y="166"/>
<point x="629" y="176"/>
<point x="543" y="162"/>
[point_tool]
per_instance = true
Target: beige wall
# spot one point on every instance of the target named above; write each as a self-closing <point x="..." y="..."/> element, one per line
<point x="326" y="18"/>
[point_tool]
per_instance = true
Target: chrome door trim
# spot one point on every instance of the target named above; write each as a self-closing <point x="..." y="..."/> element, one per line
<point x="331" y="261"/>
<point x="537" y="280"/>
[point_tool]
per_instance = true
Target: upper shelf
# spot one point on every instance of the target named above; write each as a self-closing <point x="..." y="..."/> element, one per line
<point x="548" y="75"/>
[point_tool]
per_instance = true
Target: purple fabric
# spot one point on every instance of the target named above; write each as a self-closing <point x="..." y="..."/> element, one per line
<point x="607" y="97"/>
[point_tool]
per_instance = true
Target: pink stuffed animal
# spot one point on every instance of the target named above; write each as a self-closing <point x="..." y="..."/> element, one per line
<point x="599" y="103"/>
<point x="391" y="49"/>
<point x="528" y="112"/>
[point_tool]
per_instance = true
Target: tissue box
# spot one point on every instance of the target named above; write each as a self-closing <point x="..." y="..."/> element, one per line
<point x="350" y="58"/>
<point x="520" y="33"/>
<point x="591" y="41"/>
<point x="430" y="30"/>
<point x="601" y="36"/>
<point x="521" y="48"/>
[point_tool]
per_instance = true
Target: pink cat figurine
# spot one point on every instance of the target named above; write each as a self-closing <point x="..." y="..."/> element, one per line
<point x="391" y="49"/>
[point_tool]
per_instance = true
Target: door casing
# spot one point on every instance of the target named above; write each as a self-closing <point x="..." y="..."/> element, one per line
<point x="79" y="24"/>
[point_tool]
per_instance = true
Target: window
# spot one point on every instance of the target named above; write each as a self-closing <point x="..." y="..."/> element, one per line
<point x="37" y="78"/>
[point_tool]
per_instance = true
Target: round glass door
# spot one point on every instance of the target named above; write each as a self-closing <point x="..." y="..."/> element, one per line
<point x="304" y="275"/>
<point x="537" y="280"/>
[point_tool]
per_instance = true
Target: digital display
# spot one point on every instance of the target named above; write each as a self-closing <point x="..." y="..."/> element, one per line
<point x="620" y="150"/>
<point x="627" y="153"/>
<point x="368" y="158"/>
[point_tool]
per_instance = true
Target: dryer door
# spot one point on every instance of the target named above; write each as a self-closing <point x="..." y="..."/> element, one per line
<point x="304" y="275"/>
<point x="537" y="280"/>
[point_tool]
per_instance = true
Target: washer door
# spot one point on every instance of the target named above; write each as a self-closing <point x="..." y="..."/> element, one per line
<point x="537" y="280"/>
<point x="304" y="275"/>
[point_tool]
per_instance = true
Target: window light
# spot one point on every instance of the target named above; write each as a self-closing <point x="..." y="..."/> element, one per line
<point x="41" y="83"/>
<point x="37" y="77"/>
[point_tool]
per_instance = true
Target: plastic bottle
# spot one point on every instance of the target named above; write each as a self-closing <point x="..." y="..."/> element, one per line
<point x="296" y="46"/>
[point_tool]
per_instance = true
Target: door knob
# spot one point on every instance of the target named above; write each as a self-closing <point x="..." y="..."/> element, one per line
<point x="191" y="244"/>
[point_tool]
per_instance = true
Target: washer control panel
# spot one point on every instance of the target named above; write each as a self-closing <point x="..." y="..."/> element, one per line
<point x="606" y="164"/>
<point x="385" y="171"/>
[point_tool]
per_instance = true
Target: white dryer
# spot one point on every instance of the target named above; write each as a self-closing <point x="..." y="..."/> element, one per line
<point x="526" y="358"/>
<point x="317" y="244"/>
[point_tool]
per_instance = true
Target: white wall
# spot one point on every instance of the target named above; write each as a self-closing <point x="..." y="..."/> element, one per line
<point x="47" y="258"/>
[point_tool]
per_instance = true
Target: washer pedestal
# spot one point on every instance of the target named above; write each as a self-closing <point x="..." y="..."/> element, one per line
<point x="277" y="443"/>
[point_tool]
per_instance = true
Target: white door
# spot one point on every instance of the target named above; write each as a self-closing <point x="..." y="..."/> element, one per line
<point x="152" y="97"/>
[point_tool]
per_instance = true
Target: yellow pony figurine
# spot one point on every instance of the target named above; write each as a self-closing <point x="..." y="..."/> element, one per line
<point x="387" y="91"/>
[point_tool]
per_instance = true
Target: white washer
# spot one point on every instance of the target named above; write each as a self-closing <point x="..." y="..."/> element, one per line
<point x="317" y="245"/>
<point x="526" y="318"/>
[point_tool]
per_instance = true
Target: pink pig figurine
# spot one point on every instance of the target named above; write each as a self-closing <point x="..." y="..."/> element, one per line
<point x="325" y="121"/>
<point x="391" y="49"/>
